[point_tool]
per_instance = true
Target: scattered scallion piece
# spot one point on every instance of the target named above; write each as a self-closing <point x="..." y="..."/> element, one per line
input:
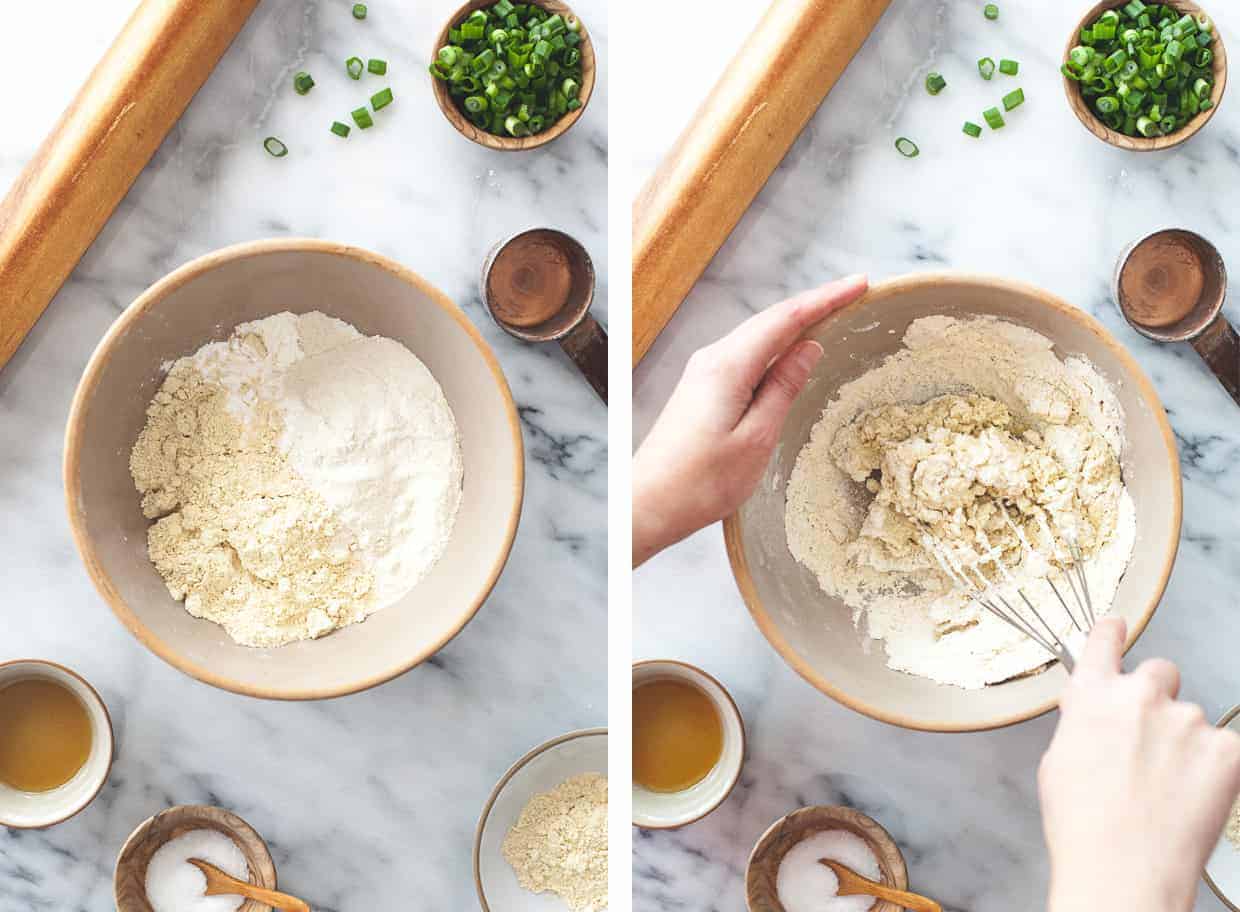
<point x="354" y="67"/>
<point x="303" y="82"/>
<point x="514" y="69"/>
<point x="972" y="129"/>
<point x="376" y="66"/>
<point x="381" y="99"/>
<point x="991" y="11"/>
<point x="340" y="129"/>
<point x="993" y="118"/>
<point x="986" y="67"/>
<point x="935" y="83"/>
<point x="1144" y="69"/>
<point x="1013" y="99"/>
<point x="907" y="147"/>
<point x="359" y="10"/>
<point x="274" y="147"/>
<point x="362" y="118"/>
<point x="1009" y="67"/>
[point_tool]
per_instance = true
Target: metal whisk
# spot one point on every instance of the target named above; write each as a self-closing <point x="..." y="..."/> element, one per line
<point x="981" y="590"/>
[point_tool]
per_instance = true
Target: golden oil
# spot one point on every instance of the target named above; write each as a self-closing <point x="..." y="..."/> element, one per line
<point x="677" y="735"/>
<point x="45" y="734"/>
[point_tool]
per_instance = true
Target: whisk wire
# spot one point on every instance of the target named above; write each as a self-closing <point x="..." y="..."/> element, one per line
<point x="981" y="590"/>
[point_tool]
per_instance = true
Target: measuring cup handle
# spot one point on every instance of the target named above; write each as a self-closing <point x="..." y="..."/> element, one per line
<point x="587" y="346"/>
<point x="1219" y="347"/>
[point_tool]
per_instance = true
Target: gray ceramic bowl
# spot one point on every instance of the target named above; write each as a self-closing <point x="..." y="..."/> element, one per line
<point x="814" y="632"/>
<point x="203" y="301"/>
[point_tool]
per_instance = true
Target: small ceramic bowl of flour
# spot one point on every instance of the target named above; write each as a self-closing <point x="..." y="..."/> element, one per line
<point x="324" y="467"/>
<point x="541" y="842"/>
<point x="945" y="402"/>
<point x="1222" y="872"/>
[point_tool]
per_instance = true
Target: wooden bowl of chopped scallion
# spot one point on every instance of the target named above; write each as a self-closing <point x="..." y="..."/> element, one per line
<point x="513" y="76"/>
<point x="1145" y="76"/>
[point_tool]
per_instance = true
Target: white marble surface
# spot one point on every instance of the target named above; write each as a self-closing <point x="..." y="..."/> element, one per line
<point x="370" y="801"/>
<point x="1042" y="201"/>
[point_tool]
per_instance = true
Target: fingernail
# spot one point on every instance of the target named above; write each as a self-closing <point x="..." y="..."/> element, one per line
<point x="807" y="356"/>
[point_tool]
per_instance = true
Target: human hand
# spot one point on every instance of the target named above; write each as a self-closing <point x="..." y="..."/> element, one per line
<point x="1136" y="786"/>
<point x="709" y="447"/>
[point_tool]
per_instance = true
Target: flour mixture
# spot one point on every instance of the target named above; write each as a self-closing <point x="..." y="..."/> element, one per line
<point x="559" y="843"/>
<point x="976" y="434"/>
<point x="300" y="475"/>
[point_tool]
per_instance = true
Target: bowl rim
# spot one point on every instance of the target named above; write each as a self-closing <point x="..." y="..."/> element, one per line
<point x="734" y="540"/>
<point x="1223" y="722"/>
<point x="111" y="734"/>
<point x="525" y="759"/>
<point x="90" y="379"/>
<point x="735" y="711"/>
<point x="453" y="115"/>
<point x="1090" y="121"/>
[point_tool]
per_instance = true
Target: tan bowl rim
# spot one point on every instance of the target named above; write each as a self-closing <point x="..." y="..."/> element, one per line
<point x="740" y="720"/>
<point x="900" y="285"/>
<point x="1141" y="143"/>
<point x="589" y="75"/>
<point x="107" y="716"/>
<point x="499" y="787"/>
<point x="90" y="379"/>
<point x="238" y="823"/>
<point x="1223" y="722"/>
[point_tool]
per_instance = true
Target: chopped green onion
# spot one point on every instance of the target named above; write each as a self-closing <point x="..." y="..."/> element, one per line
<point x="376" y="66"/>
<point x="991" y="11"/>
<point x="512" y="68"/>
<point x="993" y="118"/>
<point x="381" y="99"/>
<point x="354" y="67"/>
<point x="1009" y="67"/>
<point x="359" y="10"/>
<point x="907" y="147"/>
<point x="986" y="67"/>
<point x="1144" y="68"/>
<point x="1013" y="99"/>
<point x="303" y="83"/>
<point x="972" y="129"/>
<point x="274" y="147"/>
<point x="339" y="128"/>
<point x="362" y="118"/>
<point x="935" y="83"/>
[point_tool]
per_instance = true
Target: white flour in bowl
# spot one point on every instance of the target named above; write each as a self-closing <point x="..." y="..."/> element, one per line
<point x="301" y="476"/>
<point x="974" y="427"/>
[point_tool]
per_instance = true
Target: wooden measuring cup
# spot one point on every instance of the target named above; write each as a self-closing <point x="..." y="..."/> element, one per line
<point x="1170" y="286"/>
<point x="538" y="286"/>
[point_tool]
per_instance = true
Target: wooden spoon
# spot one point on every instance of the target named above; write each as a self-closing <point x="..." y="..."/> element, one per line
<point x="220" y="883"/>
<point x="853" y="884"/>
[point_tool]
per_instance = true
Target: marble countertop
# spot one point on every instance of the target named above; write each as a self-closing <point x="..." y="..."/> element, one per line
<point x="372" y="799"/>
<point x="1042" y="201"/>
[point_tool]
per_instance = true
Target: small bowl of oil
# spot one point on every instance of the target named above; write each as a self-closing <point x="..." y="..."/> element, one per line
<point x="56" y="752"/>
<point x="688" y="744"/>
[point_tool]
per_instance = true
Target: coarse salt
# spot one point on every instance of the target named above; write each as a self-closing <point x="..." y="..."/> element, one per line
<point x="175" y="885"/>
<point x="804" y="885"/>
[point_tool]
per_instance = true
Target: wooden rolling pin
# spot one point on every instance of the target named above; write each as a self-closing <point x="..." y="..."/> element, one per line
<point x="100" y="145"/>
<point x="733" y="144"/>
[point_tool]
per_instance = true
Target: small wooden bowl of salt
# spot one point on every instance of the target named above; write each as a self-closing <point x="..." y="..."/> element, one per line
<point x="784" y="861"/>
<point x="153" y="875"/>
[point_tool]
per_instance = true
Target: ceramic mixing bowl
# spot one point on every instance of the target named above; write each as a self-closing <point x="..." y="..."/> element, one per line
<point x="815" y="634"/>
<point x="203" y="301"/>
